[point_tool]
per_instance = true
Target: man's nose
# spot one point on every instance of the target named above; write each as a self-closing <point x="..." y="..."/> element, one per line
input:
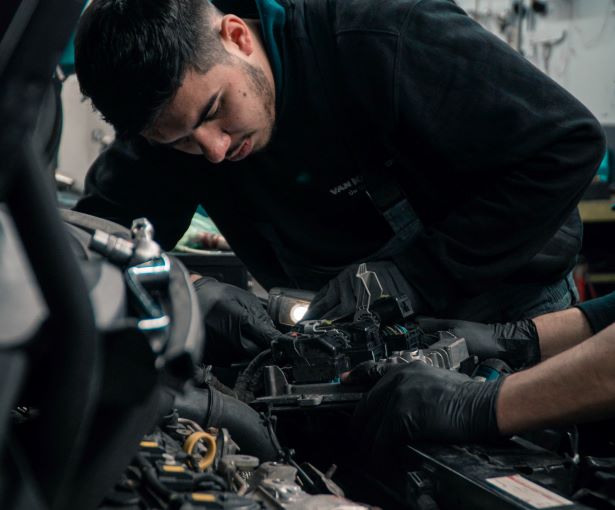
<point x="213" y="142"/>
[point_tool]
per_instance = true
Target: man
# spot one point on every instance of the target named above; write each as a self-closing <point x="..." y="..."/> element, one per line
<point x="417" y="402"/>
<point x="319" y="133"/>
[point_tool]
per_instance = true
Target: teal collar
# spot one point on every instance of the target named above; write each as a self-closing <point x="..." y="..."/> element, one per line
<point x="272" y="17"/>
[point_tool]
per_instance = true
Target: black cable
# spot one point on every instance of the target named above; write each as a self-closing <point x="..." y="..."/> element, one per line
<point x="211" y="478"/>
<point x="245" y="380"/>
<point x="150" y="477"/>
<point x="210" y="404"/>
<point x="268" y="421"/>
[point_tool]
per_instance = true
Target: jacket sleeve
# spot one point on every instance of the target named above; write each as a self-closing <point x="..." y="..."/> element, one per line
<point x="485" y="114"/>
<point x="132" y="179"/>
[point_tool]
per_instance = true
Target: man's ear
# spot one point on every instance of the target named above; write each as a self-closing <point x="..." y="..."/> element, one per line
<point x="236" y="35"/>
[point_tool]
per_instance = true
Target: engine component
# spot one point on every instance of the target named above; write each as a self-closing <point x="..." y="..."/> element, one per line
<point x="182" y="464"/>
<point x="305" y="366"/>
<point x="273" y="481"/>
<point x="211" y="408"/>
<point x="147" y="267"/>
<point x="308" y="368"/>
<point x="125" y="252"/>
<point x="516" y="474"/>
<point x="148" y="275"/>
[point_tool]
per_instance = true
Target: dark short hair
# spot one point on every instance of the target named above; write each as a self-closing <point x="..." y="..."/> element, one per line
<point x="132" y="55"/>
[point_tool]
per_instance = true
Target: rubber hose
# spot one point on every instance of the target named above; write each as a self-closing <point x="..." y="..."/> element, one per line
<point x="211" y="408"/>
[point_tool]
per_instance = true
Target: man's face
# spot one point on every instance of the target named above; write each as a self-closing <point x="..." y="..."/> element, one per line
<point x="226" y="113"/>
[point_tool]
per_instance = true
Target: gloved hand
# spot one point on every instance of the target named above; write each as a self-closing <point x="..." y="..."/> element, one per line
<point x="516" y="343"/>
<point x="237" y="326"/>
<point x="414" y="401"/>
<point x="338" y="298"/>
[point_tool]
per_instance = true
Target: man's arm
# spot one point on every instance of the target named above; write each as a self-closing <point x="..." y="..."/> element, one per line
<point x="522" y="343"/>
<point x="414" y="401"/>
<point x="527" y="342"/>
<point x="577" y="385"/>
<point x="559" y="331"/>
<point x="132" y="179"/>
<point x="474" y="116"/>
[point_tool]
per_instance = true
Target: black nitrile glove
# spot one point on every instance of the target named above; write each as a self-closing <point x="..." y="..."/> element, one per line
<point x="516" y="343"/>
<point x="338" y="298"/>
<point x="414" y="401"/>
<point x="600" y="312"/>
<point x="237" y="326"/>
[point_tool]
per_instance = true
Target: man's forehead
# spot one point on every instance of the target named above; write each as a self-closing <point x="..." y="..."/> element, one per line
<point x="166" y="126"/>
<point x="181" y="109"/>
<point x="195" y="88"/>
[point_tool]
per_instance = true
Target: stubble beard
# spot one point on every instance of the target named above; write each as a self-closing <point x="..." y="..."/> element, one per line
<point x="262" y="90"/>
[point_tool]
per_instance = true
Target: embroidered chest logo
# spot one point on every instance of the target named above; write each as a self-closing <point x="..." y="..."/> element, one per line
<point x="349" y="187"/>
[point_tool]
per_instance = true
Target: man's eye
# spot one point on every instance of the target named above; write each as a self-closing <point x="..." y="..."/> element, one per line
<point x="216" y="112"/>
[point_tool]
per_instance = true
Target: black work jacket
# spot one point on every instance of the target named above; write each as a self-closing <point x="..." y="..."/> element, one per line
<point x="491" y="153"/>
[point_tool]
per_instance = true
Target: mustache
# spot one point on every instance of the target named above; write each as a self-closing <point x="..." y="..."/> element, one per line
<point x="231" y="150"/>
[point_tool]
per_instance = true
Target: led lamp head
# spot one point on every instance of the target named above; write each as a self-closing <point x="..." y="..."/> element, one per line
<point x="288" y="306"/>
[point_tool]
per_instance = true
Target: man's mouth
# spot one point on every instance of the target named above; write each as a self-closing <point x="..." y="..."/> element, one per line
<point x="242" y="151"/>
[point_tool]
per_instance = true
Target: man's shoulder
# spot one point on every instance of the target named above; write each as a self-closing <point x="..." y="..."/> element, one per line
<point x="367" y="16"/>
<point x="386" y="16"/>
